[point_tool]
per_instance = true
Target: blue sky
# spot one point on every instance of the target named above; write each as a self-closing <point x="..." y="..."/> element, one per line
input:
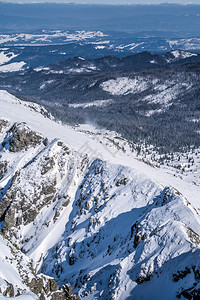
<point x="109" y="1"/>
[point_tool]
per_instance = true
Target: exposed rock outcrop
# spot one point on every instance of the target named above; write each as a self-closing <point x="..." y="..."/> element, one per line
<point x="20" y="137"/>
<point x="9" y="292"/>
<point x="46" y="287"/>
<point x="3" y="168"/>
<point x="3" y="124"/>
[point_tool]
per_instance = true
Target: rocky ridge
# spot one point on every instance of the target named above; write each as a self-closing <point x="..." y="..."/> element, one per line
<point x="20" y="207"/>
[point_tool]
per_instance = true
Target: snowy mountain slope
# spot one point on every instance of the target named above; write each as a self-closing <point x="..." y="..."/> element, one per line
<point x="161" y="93"/>
<point x="13" y="67"/>
<point x="12" y="277"/>
<point x="6" y="57"/>
<point x="18" y="279"/>
<point x="122" y="231"/>
<point x="106" y="222"/>
<point x="9" y="61"/>
<point x="20" y="147"/>
<point x="44" y="187"/>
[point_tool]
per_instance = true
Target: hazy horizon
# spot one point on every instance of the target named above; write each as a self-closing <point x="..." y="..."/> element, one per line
<point x="173" y="20"/>
<point x="103" y="2"/>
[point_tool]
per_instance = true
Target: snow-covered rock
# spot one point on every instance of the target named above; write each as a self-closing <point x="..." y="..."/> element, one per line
<point x="124" y="229"/>
<point x="18" y="279"/>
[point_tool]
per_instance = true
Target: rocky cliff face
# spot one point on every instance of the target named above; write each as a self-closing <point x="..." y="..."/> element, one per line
<point x="36" y="183"/>
<point x="125" y="231"/>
